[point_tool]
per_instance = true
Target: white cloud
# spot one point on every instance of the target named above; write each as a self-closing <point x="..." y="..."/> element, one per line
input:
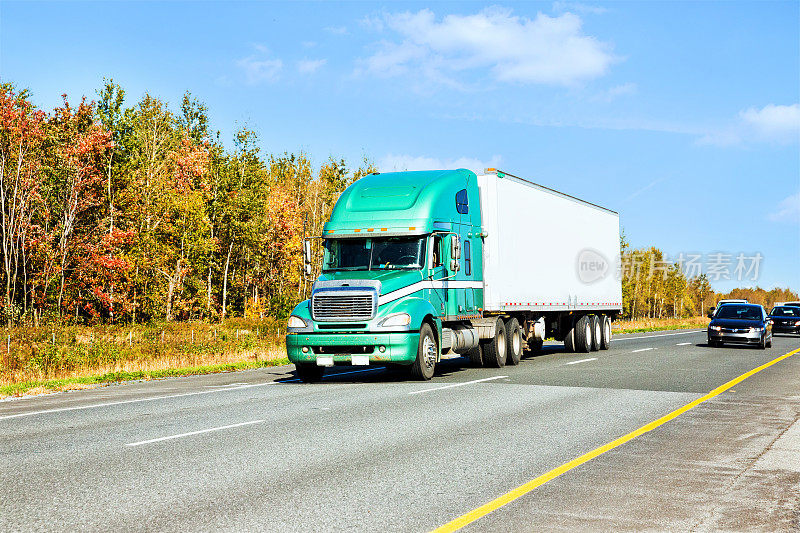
<point x="772" y="123"/>
<point x="543" y="50"/>
<point x="788" y="210"/>
<point x="615" y="92"/>
<point x="576" y="7"/>
<point x="310" y="66"/>
<point x="337" y="30"/>
<point x="259" y="67"/>
<point x="397" y="162"/>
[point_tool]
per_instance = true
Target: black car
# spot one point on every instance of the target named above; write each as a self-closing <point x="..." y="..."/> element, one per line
<point x="742" y="324"/>
<point x="785" y="319"/>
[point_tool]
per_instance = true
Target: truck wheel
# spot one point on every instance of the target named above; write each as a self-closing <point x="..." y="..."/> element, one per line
<point x="427" y="351"/>
<point x="596" y="332"/>
<point x="494" y="351"/>
<point x="513" y="342"/>
<point x="476" y="356"/>
<point x="569" y="338"/>
<point x="605" y="332"/>
<point x="309" y="372"/>
<point x="535" y="346"/>
<point x="583" y="334"/>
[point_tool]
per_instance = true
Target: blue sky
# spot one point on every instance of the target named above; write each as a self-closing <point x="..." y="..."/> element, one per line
<point x="684" y="117"/>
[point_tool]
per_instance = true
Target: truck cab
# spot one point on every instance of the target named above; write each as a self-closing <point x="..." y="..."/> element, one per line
<point x="399" y="259"/>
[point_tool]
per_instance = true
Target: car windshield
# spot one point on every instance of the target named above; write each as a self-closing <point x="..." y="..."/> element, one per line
<point x="741" y="312"/>
<point x="786" y="311"/>
<point x="388" y="253"/>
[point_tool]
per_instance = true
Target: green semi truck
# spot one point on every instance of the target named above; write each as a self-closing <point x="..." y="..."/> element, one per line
<point x="417" y="266"/>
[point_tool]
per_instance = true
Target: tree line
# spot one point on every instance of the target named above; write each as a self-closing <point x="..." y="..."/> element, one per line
<point x="655" y="287"/>
<point x="117" y="212"/>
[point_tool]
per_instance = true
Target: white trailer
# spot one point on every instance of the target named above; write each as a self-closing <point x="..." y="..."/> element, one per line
<point x="545" y="250"/>
<point x="550" y="263"/>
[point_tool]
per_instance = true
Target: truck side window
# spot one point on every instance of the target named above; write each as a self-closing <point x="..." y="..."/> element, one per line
<point x="462" y="202"/>
<point x="437" y="251"/>
<point x="467" y="257"/>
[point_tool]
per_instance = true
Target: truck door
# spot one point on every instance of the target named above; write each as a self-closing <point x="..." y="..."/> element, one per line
<point x="437" y="271"/>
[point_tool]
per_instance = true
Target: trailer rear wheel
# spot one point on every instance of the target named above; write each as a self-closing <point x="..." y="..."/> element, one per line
<point x="596" y="332"/>
<point x="605" y="330"/>
<point x="427" y="352"/>
<point x="494" y="350"/>
<point x="513" y="342"/>
<point x="309" y="372"/>
<point x="535" y="346"/>
<point x="583" y="334"/>
<point x="569" y="338"/>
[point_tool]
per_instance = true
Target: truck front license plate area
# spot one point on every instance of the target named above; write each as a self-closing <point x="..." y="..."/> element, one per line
<point x="324" y="360"/>
<point x="359" y="360"/>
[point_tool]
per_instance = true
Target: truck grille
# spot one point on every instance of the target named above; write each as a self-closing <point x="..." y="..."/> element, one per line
<point x="331" y="306"/>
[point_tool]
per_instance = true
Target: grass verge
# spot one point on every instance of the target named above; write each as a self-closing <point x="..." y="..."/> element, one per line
<point x="658" y="324"/>
<point x="83" y="382"/>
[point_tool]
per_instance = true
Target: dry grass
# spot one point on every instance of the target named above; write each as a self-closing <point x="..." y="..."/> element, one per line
<point x="658" y="324"/>
<point x="63" y="358"/>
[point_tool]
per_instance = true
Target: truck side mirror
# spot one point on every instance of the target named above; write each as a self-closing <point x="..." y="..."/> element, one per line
<point x="455" y="247"/>
<point x="455" y="253"/>
<point x="307" y="257"/>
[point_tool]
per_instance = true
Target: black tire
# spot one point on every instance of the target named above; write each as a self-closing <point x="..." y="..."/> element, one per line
<point x="309" y="372"/>
<point x="535" y="346"/>
<point x="475" y="356"/>
<point x="583" y="334"/>
<point x="711" y="343"/>
<point x="569" y="338"/>
<point x="605" y="332"/>
<point x="596" y="332"/>
<point x="763" y="343"/>
<point x="513" y="342"/>
<point x="427" y="353"/>
<point x="769" y="342"/>
<point x="494" y="349"/>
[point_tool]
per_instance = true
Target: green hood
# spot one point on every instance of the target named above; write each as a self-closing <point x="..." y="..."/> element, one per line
<point x="391" y="280"/>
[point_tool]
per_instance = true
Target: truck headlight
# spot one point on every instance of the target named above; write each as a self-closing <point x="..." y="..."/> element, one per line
<point x="296" y="322"/>
<point x="400" y="319"/>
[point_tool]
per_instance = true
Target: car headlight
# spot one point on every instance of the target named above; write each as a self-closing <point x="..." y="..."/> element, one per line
<point x="715" y="328"/>
<point x="296" y="322"/>
<point x="400" y="319"/>
<point x="797" y="323"/>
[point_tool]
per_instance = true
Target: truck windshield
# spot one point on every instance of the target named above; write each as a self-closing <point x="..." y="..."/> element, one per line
<point x="389" y="253"/>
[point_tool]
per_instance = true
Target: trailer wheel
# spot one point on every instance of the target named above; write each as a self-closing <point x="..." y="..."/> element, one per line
<point x="535" y="346"/>
<point x="309" y="372"/>
<point x="476" y="356"/>
<point x="596" y="332"/>
<point x="494" y="350"/>
<point x="513" y="342"/>
<point x="427" y="352"/>
<point x="583" y="334"/>
<point x="569" y="338"/>
<point x="605" y="330"/>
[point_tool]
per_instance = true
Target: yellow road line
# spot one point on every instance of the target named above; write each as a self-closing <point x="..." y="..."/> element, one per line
<point x="522" y="490"/>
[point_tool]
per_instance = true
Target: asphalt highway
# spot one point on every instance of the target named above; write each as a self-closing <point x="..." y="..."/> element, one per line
<point x="368" y="449"/>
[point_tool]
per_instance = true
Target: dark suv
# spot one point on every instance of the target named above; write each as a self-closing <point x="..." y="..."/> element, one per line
<point x="785" y="319"/>
<point x="740" y="323"/>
